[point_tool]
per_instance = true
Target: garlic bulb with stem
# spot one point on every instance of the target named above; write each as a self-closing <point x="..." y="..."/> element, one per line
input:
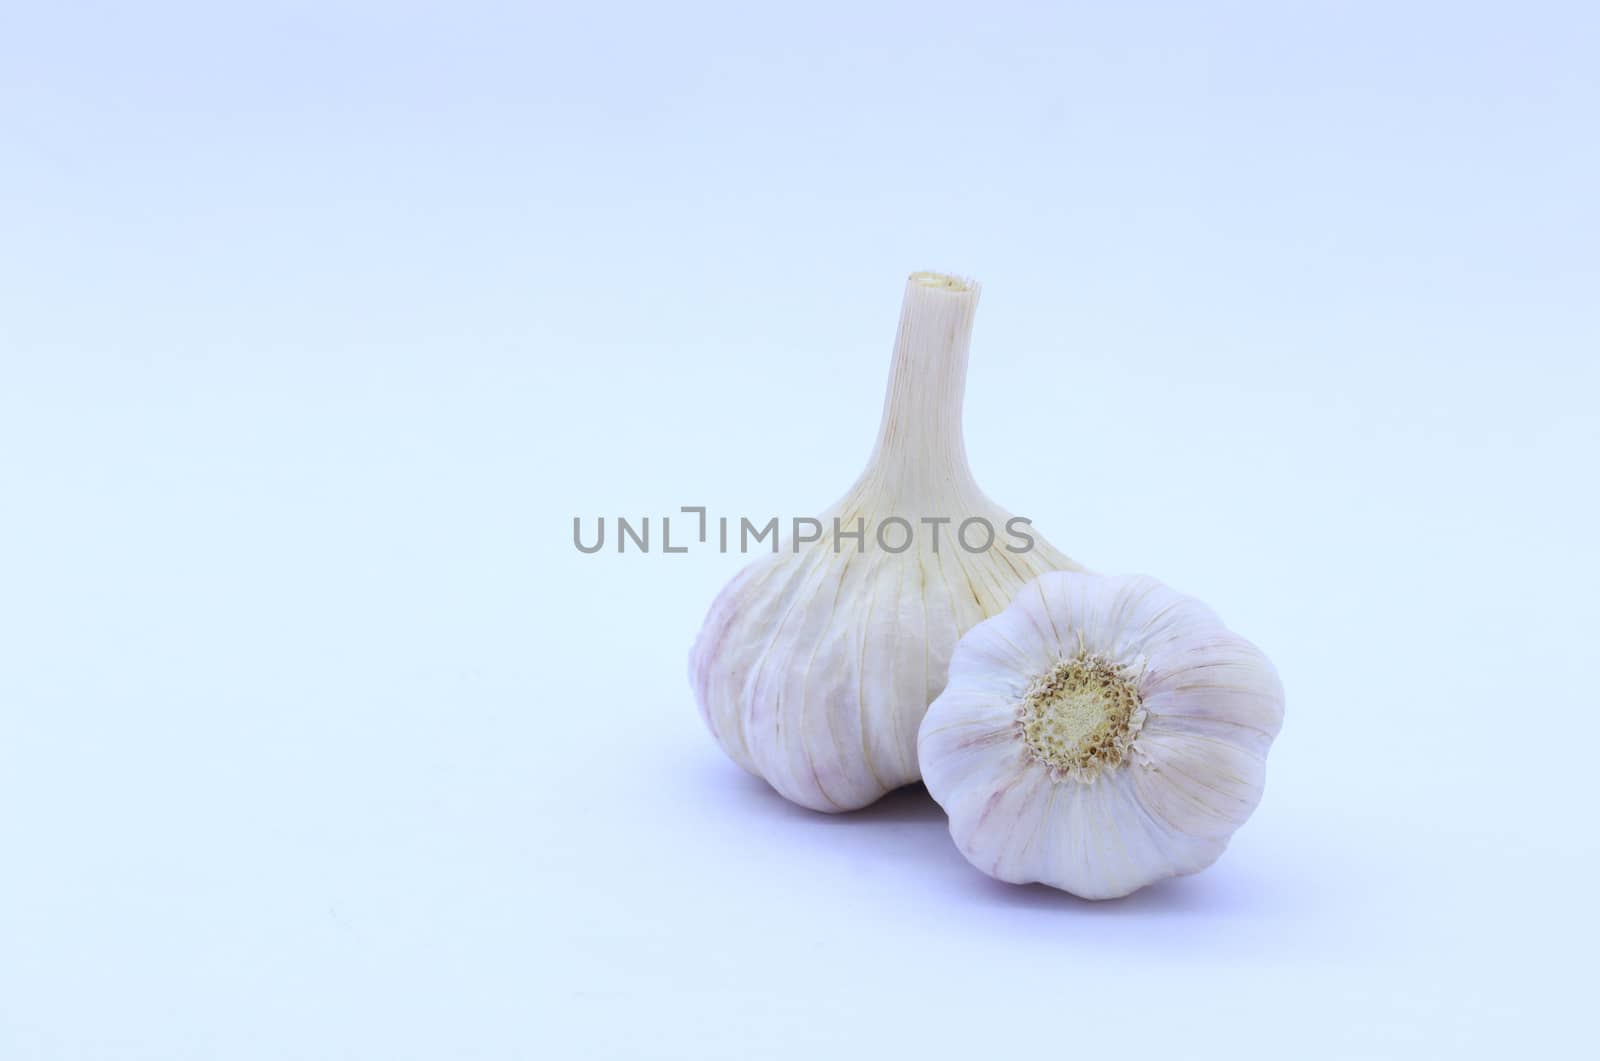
<point x="1100" y="734"/>
<point x="816" y="664"/>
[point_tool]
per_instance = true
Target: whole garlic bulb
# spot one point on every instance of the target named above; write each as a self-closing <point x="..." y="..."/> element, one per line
<point x="1100" y="734"/>
<point x="816" y="664"/>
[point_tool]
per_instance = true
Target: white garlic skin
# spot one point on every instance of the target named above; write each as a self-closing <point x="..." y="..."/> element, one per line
<point x="1190" y="772"/>
<point x="813" y="669"/>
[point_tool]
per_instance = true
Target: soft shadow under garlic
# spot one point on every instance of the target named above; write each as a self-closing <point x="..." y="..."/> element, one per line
<point x="908" y="805"/>
<point x="1199" y="895"/>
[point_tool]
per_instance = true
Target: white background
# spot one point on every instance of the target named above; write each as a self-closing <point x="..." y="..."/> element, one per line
<point x="319" y="324"/>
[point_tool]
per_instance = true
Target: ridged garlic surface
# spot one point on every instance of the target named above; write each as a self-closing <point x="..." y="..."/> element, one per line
<point x="814" y="667"/>
<point x="1100" y="734"/>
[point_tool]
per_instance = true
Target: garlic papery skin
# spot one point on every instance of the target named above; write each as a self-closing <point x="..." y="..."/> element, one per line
<point x="1100" y="734"/>
<point x="814" y="667"/>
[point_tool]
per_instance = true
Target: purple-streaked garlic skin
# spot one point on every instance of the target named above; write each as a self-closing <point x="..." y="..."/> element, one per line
<point x="814" y="668"/>
<point x="1100" y="734"/>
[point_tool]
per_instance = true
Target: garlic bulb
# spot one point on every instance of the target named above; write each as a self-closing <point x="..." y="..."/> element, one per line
<point x="1100" y="734"/>
<point x="816" y="664"/>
